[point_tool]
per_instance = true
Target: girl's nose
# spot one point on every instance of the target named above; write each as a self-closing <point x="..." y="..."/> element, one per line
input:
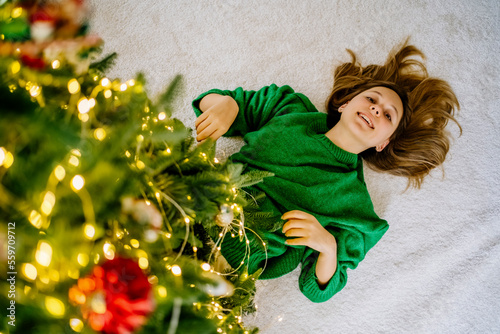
<point x="375" y="109"/>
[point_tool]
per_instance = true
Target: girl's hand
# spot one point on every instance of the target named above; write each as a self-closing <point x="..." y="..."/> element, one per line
<point x="308" y="232"/>
<point x="219" y="113"/>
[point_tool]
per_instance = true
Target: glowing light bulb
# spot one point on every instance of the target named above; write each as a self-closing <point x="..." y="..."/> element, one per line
<point x="6" y="158"/>
<point x="29" y="271"/>
<point x="99" y="134"/>
<point x="76" y="324"/>
<point x="109" y="251"/>
<point x="107" y="93"/>
<point x="134" y="243"/>
<point x="35" y="219"/>
<point x="3" y="152"/>
<point x="43" y="254"/>
<point x="77" y="183"/>
<point x="162" y="116"/>
<point x="123" y="87"/>
<point x="35" y="90"/>
<point x="48" y="202"/>
<point x="73" y="86"/>
<point x="89" y="231"/>
<point x="176" y="270"/>
<point x="16" y="12"/>
<point x="60" y="172"/>
<point x="15" y="67"/>
<point x="83" y="106"/>
<point x="131" y="82"/>
<point x="74" y="161"/>
<point x="143" y="263"/>
<point x="140" y="164"/>
<point x="105" y="82"/>
<point x="205" y="266"/>
<point x="83" y="259"/>
<point x="56" y="64"/>
<point x="162" y="291"/>
<point x="55" y="306"/>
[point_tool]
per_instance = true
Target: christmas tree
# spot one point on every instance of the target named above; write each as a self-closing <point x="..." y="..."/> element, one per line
<point x="106" y="202"/>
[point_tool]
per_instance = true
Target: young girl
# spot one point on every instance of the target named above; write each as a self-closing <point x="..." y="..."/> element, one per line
<point x="391" y="116"/>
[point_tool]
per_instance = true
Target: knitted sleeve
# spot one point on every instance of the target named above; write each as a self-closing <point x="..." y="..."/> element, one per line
<point x="352" y="247"/>
<point x="257" y="108"/>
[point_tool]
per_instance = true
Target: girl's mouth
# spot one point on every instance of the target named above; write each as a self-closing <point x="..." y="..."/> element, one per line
<point x="366" y="119"/>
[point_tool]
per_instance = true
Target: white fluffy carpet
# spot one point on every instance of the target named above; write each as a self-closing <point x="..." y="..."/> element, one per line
<point x="437" y="270"/>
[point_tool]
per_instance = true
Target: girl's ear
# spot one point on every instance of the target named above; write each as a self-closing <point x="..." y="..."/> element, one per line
<point x="380" y="147"/>
<point x="341" y="108"/>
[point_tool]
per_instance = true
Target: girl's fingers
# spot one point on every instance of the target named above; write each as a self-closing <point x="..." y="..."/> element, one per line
<point x="202" y="125"/>
<point x="207" y="132"/>
<point x="294" y="223"/>
<point x="295" y="214"/>
<point x="201" y="118"/>
<point x="297" y="242"/>
<point x="296" y="232"/>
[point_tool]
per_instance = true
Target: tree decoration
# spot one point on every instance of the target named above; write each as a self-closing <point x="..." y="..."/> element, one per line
<point x="115" y="298"/>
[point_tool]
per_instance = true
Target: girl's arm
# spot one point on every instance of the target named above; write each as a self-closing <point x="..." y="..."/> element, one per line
<point x="254" y="109"/>
<point x="308" y="232"/>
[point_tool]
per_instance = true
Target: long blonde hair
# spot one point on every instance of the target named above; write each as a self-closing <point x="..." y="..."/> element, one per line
<point x="420" y="142"/>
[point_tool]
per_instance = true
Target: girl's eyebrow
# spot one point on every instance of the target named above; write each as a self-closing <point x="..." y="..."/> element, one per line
<point x="393" y="107"/>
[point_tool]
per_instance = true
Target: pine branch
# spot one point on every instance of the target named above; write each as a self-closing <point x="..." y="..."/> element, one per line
<point x="105" y="64"/>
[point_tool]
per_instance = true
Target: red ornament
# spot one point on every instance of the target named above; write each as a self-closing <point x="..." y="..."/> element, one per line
<point x="33" y="62"/>
<point x="115" y="298"/>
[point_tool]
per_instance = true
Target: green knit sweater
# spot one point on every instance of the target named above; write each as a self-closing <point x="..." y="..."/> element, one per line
<point x="285" y="135"/>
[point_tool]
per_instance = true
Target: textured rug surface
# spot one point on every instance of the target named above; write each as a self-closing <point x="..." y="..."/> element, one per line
<point x="437" y="270"/>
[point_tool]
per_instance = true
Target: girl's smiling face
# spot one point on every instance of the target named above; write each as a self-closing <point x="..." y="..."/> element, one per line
<point x="372" y="116"/>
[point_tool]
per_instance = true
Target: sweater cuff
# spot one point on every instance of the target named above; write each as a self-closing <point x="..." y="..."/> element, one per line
<point x="309" y="285"/>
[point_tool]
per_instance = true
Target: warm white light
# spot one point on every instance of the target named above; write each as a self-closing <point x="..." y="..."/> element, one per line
<point x="73" y="86"/>
<point x="123" y="87"/>
<point x="176" y="270"/>
<point x="109" y="251"/>
<point x="76" y="324"/>
<point x="35" y="90"/>
<point x="6" y="158"/>
<point x="205" y="266"/>
<point x="2" y="155"/>
<point x="35" y="219"/>
<point x="77" y="182"/>
<point x="105" y="82"/>
<point x="56" y="64"/>
<point x="29" y="271"/>
<point x="15" y="67"/>
<point x="43" y="254"/>
<point x="83" y="106"/>
<point x="60" y="172"/>
<point x="99" y="134"/>
<point x="143" y="263"/>
<point x="83" y="259"/>
<point x="89" y="231"/>
<point x="48" y="203"/>
<point x="162" y="116"/>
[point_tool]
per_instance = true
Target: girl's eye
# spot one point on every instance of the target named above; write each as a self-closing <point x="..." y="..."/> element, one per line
<point x="388" y="116"/>
<point x="370" y="99"/>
